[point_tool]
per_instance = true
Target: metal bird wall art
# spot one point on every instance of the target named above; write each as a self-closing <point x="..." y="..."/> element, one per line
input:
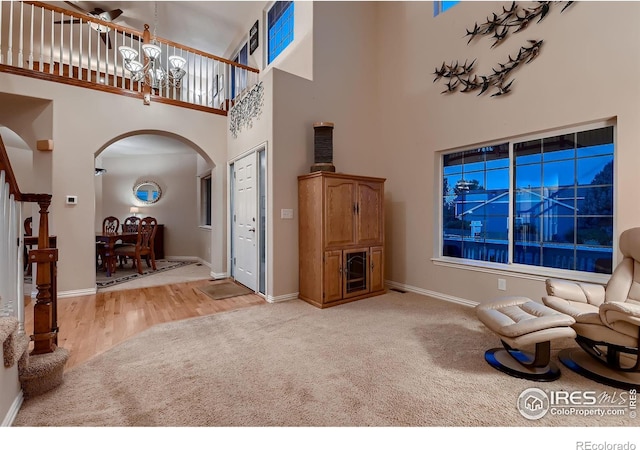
<point x="461" y="74"/>
<point x="513" y="19"/>
<point x="460" y="77"/>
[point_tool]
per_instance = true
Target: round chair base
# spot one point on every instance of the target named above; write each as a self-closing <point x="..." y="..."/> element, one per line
<point x="581" y="363"/>
<point x="501" y="359"/>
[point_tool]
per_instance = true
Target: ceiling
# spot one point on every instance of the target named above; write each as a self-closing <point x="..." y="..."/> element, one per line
<point x="210" y="26"/>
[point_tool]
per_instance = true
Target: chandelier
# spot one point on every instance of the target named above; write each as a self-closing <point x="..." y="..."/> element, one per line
<point x="152" y="72"/>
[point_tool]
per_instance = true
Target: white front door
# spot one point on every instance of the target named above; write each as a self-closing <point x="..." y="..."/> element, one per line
<point x="245" y="254"/>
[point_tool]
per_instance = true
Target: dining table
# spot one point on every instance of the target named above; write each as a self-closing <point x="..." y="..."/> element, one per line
<point x="111" y="239"/>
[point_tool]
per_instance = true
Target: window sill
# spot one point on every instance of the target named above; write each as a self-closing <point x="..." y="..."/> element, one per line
<point x="535" y="273"/>
<point x="205" y="227"/>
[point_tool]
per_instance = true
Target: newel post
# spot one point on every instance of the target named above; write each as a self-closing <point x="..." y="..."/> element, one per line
<point x="44" y="322"/>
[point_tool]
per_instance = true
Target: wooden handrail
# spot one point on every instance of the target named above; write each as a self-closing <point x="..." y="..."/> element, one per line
<point x="105" y="88"/>
<point x="127" y="30"/>
<point x="10" y="178"/>
<point x="45" y="326"/>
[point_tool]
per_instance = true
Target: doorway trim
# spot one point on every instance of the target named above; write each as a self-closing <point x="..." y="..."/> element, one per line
<point x="262" y="227"/>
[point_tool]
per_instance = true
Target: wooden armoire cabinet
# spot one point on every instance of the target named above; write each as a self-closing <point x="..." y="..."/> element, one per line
<point x="341" y="237"/>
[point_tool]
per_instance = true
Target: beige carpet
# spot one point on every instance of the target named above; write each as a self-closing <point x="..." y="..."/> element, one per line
<point x="228" y="289"/>
<point x="393" y="360"/>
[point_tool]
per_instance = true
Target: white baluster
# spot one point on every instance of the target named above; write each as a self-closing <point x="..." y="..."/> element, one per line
<point x="12" y="257"/>
<point x="115" y="57"/>
<point x="80" y="51"/>
<point x="106" y="63"/>
<point x="52" y="42"/>
<point x="41" y="61"/>
<point x="4" y="257"/>
<point x="21" y="39"/>
<point x="98" y="60"/>
<point x="20" y="278"/>
<point x="1" y="57"/>
<point x="71" y="50"/>
<point x="89" y="60"/>
<point x="31" y="40"/>
<point x="10" y="48"/>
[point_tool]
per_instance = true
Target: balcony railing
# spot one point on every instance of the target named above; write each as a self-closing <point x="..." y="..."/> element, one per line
<point x="34" y="42"/>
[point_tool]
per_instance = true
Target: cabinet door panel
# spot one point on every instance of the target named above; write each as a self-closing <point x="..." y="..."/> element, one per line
<point x="377" y="269"/>
<point x="356" y="272"/>
<point x="369" y="217"/>
<point x="332" y="276"/>
<point x="339" y="212"/>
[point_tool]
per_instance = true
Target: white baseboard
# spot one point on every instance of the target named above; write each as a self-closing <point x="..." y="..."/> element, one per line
<point x="13" y="411"/>
<point x="282" y="298"/>
<point x="438" y="295"/>
<point x="185" y="258"/>
<point x="77" y="293"/>
<point x="219" y="276"/>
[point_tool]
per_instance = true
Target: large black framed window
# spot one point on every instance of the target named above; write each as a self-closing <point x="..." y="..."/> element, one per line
<point x="544" y="202"/>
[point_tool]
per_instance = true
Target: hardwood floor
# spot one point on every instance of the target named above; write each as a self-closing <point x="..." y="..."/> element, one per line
<point x="91" y="324"/>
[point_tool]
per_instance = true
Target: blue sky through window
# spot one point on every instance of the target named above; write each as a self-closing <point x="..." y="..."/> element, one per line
<point x="442" y="6"/>
<point x="280" y="34"/>
<point x="562" y="202"/>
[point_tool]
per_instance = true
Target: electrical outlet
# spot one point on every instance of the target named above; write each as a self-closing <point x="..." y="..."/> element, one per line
<point x="502" y="284"/>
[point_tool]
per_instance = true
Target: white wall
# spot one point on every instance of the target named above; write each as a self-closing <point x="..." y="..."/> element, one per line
<point x="177" y="209"/>
<point x="297" y="58"/>
<point x="80" y="130"/>
<point x="586" y="71"/>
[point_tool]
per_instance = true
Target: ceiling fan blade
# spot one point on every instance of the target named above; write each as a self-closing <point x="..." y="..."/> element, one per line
<point x="106" y="39"/>
<point x="112" y="15"/>
<point x="73" y="5"/>
<point x="70" y="21"/>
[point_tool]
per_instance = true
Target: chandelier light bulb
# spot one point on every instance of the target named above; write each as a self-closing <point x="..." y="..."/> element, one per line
<point x="177" y="62"/>
<point x="152" y="51"/>
<point x="128" y="53"/>
<point x="133" y="65"/>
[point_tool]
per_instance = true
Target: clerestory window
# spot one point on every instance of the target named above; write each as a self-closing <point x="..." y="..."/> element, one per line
<point x="441" y="6"/>
<point x="279" y="28"/>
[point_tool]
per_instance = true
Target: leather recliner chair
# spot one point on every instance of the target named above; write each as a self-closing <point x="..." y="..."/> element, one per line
<point x="607" y="320"/>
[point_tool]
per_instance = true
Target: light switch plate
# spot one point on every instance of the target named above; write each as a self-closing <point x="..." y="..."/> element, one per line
<point x="286" y="213"/>
<point x="72" y="199"/>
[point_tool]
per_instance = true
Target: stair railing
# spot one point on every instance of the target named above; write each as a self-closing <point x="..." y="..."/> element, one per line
<point x="45" y="328"/>
<point x="34" y="43"/>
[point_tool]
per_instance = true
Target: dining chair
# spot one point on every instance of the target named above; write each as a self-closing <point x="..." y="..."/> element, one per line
<point x="28" y="231"/>
<point x="144" y="245"/>
<point x="130" y="225"/>
<point x="110" y="225"/>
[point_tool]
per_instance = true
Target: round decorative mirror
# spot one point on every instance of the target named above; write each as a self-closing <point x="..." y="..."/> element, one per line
<point x="147" y="192"/>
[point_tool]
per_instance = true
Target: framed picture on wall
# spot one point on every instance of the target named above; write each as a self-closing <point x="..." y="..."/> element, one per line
<point x="253" y="38"/>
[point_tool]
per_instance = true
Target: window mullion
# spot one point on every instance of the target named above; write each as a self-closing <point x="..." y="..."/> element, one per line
<point x="512" y="203"/>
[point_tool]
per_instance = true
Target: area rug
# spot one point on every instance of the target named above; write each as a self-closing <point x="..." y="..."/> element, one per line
<point x="393" y="360"/>
<point x="127" y="273"/>
<point x="219" y="291"/>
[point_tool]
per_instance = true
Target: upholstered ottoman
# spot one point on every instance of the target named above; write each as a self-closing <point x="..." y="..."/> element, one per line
<point x="520" y="322"/>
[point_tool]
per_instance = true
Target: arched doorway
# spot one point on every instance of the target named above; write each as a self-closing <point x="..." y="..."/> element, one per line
<point x="178" y="168"/>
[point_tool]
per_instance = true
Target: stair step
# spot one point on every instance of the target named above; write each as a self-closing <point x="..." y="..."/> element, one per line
<point x="41" y="373"/>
